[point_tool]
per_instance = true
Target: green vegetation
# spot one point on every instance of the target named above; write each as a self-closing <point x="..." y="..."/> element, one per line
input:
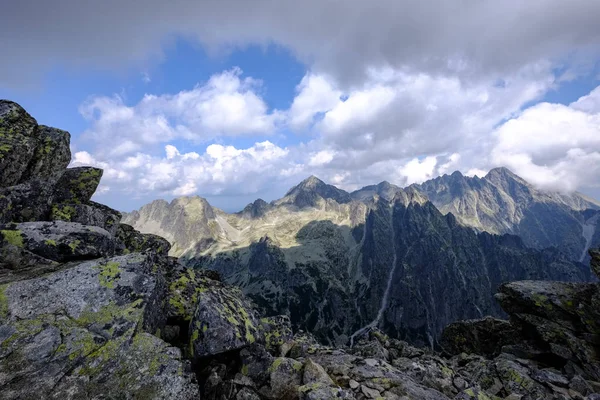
<point x="13" y="237"/>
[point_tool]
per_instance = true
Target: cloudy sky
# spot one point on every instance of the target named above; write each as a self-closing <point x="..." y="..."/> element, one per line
<point x="234" y="99"/>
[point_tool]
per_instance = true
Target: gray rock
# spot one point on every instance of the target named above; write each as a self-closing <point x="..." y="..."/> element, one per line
<point x="77" y="185"/>
<point x="482" y="336"/>
<point x="80" y="332"/>
<point x="277" y="331"/>
<point x="314" y="373"/>
<point x="52" y="154"/>
<point x="25" y="202"/>
<point x="286" y="378"/>
<point x="224" y="320"/>
<point x="59" y="241"/>
<point x="17" y="142"/>
<point x="88" y="214"/>
<point x="134" y="241"/>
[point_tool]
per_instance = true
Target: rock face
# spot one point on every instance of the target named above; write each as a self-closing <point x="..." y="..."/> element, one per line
<point x="501" y="202"/>
<point x="333" y="280"/>
<point x="329" y="260"/>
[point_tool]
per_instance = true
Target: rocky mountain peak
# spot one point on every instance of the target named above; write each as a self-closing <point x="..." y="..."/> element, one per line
<point x="308" y="192"/>
<point x="503" y="174"/>
<point x="256" y="209"/>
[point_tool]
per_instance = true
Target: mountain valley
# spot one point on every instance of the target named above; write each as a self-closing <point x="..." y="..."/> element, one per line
<point x="383" y="256"/>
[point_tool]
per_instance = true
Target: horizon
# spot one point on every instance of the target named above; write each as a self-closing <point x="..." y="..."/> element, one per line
<point x="270" y="201"/>
<point x="234" y="101"/>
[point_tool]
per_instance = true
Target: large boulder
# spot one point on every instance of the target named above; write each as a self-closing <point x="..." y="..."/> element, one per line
<point x="131" y="240"/>
<point x="484" y="336"/>
<point x="562" y="320"/>
<point x="17" y="142"/>
<point x="185" y="288"/>
<point x="224" y="320"/>
<point x="77" y="185"/>
<point x="59" y="241"/>
<point x="29" y="151"/>
<point x="90" y="213"/>
<point x="25" y="202"/>
<point x="84" y="332"/>
<point x="52" y="154"/>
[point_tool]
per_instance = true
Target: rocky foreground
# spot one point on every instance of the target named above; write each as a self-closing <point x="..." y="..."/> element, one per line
<point x="92" y="309"/>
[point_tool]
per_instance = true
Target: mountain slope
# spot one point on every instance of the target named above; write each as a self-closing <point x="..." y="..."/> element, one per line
<point x="391" y="260"/>
<point x="501" y="202"/>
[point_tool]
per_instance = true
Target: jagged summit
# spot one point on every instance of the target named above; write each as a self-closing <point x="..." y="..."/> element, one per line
<point x="310" y="191"/>
<point x="256" y="209"/>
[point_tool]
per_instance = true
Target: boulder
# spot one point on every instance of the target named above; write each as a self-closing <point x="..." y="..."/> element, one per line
<point x="83" y="332"/>
<point x="59" y="241"/>
<point x="52" y="154"/>
<point x="484" y="336"/>
<point x="17" y="142"/>
<point x="185" y="288"/>
<point x="314" y="373"/>
<point x="286" y="378"/>
<point x="224" y="320"/>
<point x="277" y="331"/>
<point x="131" y="240"/>
<point x="90" y="213"/>
<point x="561" y="319"/>
<point x="77" y="185"/>
<point x="26" y="202"/>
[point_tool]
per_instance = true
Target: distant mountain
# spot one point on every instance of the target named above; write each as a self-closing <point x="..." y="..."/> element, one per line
<point x="341" y="263"/>
<point x="311" y="191"/>
<point x="501" y="202"/>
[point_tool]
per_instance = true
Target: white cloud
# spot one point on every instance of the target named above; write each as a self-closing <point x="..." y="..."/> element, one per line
<point x="400" y="127"/>
<point x="315" y="94"/>
<point x="226" y="105"/>
<point x="417" y="171"/>
<point x="552" y="145"/>
<point x="220" y="169"/>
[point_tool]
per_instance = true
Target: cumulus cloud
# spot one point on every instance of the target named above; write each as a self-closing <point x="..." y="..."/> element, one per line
<point x="226" y="105"/>
<point x="405" y="128"/>
<point x="219" y="170"/>
<point x="553" y="145"/>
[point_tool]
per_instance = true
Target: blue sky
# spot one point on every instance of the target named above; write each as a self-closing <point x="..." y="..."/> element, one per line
<point x="234" y="103"/>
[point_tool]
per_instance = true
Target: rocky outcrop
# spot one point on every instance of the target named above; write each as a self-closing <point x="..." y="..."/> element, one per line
<point x="312" y="191"/>
<point x="484" y="336"/>
<point x="502" y="202"/>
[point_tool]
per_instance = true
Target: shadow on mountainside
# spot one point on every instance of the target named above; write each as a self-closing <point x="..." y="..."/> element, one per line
<point x="332" y="282"/>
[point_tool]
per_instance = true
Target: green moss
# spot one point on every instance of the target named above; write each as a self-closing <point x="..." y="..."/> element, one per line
<point x="13" y="237"/>
<point x="193" y="338"/>
<point x="110" y="313"/>
<point x="3" y="301"/>
<point x="62" y="213"/>
<point x="50" y="242"/>
<point x="109" y="274"/>
<point x="276" y="364"/>
<point x="73" y="245"/>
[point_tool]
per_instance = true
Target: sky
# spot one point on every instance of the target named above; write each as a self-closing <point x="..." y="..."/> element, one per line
<point x="234" y="100"/>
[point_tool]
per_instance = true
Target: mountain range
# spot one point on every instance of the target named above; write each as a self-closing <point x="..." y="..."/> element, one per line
<point x="408" y="260"/>
<point x="90" y="308"/>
